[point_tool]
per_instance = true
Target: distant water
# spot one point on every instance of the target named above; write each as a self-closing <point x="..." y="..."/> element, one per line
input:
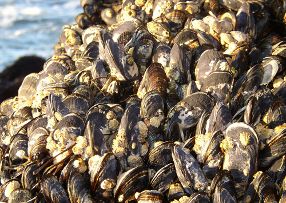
<point x="32" y="27"/>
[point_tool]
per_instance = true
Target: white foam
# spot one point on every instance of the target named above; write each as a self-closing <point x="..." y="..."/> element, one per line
<point x="31" y="11"/>
<point x="8" y="15"/>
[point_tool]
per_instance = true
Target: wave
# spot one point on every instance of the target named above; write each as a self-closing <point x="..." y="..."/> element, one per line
<point x="24" y="26"/>
<point x="8" y="15"/>
<point x="31" y="11"/>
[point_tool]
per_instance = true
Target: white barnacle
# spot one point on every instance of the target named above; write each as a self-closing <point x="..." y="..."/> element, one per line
<point x="11" y="186"/>
<point x="21" y="154"/>
<point x="107" y="184"/>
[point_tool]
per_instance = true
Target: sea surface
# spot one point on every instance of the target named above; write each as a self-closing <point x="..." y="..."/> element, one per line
<point x="32" y="27"/>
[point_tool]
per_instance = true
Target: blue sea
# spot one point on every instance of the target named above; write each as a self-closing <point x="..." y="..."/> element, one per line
<point x="32" y="27"/>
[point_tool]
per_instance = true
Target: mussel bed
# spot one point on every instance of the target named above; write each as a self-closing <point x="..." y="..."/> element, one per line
<point x="153" y="101"/>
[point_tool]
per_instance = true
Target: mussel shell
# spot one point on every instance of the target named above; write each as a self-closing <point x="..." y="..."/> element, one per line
<point x="151" y="103"/>
<point x="83" y="21"/>
<point x="210" y="60"/>
<point x="161" y="155"/>
<point x="162" y="54"/>
<point x="78" y="190"/>
<point x="3" y="129"/>
<point x="199" y="197"/>
<point x="53" y="190"/>
<point x="108" y="16"/>
<point x="126" y="142"/>
<point x="252" y="112"/>
<point x="150" y="196"/>
<point x="222" y="187"/>
<point x="208" y="40"/>
<point x="107" y="168"/>
<point x="273" y="150"/>
<point x="208" y="152"/>
<point x="154" y="79"/>
<point x="130" y="182"/>
<point x="164" y="177"/>
<point x="117" y="59"/>
<point x="220" y="117"/>
<point x="179" y="65"/>
<point x="71" y="120"/>
<point x="219" y="83"/>
<point x="185" y="36"/>
<point x="277" y="171"/>
<point x="37" y="144"/>
<point x="245" y="20"/>
<point x="125" y="26"/>
<point x="90" y="52"/>
<point x="90" y="34"/>
<point x="39" y="122"/>
<point x="262" y="188"/>
<point x="28" y="179"/>
<point x="76" y="104"/>
<point x="241" y="144"/>
<point x="176" y="191"/>
<point x="187" y="112"/>
<point x="188" y="170"/>
<point x="271" y="66"/>
<point x="6" y="107"/>
<point x="27" y="90"/>
<point x="19" y="144"/>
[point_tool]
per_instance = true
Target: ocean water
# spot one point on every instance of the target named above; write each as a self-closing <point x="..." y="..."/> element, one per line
<point x="32" y="27"/>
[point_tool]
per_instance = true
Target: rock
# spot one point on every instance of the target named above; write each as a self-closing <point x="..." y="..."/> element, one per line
<point x="12" y="76"/>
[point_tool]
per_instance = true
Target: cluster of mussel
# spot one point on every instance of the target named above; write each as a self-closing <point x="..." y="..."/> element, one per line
<point x="153" y="101"/>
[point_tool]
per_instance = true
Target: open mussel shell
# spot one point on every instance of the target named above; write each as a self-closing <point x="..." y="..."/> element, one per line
<point x="240" y="144"/>
<point x="188" y="170"/>
<point x="130" y="182"/>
